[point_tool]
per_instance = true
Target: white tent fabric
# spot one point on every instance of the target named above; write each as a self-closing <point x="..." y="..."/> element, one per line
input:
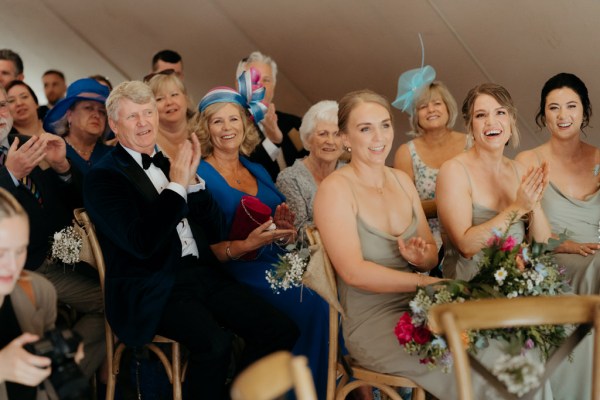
<point x="324" y="49"/>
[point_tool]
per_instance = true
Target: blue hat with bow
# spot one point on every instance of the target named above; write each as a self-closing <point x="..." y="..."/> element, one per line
<point x="249" y="96"/>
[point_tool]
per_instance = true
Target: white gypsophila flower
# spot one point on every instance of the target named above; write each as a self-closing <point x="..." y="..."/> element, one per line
<point x="519" y="373"/>
<point x="67" y="246"/>
<point x="288" y="272"/>
<point x="419" y="306"/>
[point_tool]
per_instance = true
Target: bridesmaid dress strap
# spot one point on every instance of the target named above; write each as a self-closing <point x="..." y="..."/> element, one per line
<point x="468" y="175"/>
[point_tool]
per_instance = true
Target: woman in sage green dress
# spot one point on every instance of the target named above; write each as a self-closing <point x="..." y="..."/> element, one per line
<point x="375" y="232"/>
<point x="481" y="190"/>
<point x="572" y="199"/>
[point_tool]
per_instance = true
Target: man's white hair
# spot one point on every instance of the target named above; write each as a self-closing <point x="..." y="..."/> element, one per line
<point x="256" y="56"/>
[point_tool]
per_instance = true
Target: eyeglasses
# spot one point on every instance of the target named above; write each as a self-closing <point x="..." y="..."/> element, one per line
<point x="169" y="71"/>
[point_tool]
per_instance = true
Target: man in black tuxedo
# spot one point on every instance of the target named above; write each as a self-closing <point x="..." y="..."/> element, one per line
<point x="155" y="224"/>
<point x="281" y="144"/>
<point x="37" y="173"/>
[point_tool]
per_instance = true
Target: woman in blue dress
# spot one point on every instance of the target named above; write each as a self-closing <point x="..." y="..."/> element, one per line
<point x="80" y="118"/>
<point x="227" y="136"/>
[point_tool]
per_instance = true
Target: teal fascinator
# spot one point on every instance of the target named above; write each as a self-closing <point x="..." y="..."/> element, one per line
<point x="410" y="85"/>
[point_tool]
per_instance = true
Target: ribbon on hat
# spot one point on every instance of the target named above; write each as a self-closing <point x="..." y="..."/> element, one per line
<point x="411" y="83"/>
<point x="249" y="96"/>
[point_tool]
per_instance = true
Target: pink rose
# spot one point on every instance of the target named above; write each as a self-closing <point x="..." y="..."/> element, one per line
<point x="421" y="335"/>
<point x="404" y="329"/>
<point x="508" y="244"/>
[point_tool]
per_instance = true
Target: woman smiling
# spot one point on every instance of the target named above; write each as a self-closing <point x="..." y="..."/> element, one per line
<point x="572" y="199"/>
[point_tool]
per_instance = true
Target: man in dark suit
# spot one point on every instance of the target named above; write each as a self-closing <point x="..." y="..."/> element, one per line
<point x="36" y="172"/>
<point x="155" y="225"/>
<point x="281" y="144"/>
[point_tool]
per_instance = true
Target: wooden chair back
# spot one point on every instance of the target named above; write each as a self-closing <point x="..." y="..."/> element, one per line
<point x="430" y="208"/>
<point x="340" y="370"/>
<point x="114" y="351"/>
<point x="274" y="375"/>
<point x="453" y="319"/>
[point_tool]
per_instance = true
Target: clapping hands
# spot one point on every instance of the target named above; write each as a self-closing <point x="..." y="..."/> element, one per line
<point x="272" y="130"/>
<point x="414" y="250"/>
<point x="21" y="160"/>
<point x="532" y="187"/>
<point x="185" y="164"/>
<point x="284" y="219"/>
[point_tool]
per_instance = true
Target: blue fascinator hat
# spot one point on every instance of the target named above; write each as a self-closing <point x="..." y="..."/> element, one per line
<point x="410" y="86"/>
<point x="249" y="96"/>
<point x="81" y="89"/>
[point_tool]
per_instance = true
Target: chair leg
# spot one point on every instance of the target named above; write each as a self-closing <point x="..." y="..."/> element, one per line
<point x="110" y="387"/>
<point x="418" y="393"/>
<point x="176" y="368"/>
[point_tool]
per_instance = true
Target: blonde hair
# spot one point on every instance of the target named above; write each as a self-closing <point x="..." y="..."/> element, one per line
<point x="159" y="81"/>
<point x="436" y="87"/>
<point x="501" y="95"/>
<point x="199" y="124"/>
<point x="10" y="207"/>
<point x="353" y="99"/>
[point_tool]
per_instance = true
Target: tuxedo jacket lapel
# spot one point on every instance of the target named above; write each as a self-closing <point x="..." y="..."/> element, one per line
<point x="135" y="173"/>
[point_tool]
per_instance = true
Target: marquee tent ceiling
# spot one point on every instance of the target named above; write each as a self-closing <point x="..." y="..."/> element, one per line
<point x="324" y="48"/>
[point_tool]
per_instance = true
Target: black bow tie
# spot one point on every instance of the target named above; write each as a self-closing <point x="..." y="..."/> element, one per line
<point x="159" y="160"/>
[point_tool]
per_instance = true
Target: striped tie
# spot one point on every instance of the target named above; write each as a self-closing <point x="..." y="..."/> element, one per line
<point x="3" y="151"/>
<point x="32" y="187"/>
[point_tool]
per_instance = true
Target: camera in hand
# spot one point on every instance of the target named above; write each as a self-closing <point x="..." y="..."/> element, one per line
<point x="60" y="346"/>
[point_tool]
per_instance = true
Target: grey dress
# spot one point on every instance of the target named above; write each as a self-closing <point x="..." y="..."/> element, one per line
<point x="371" y="317"/>
<point x="581" y="220"/>
<point x="299" y="187"/>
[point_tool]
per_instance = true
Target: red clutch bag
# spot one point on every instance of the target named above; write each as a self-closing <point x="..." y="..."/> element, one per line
<point x="249" y="215"/>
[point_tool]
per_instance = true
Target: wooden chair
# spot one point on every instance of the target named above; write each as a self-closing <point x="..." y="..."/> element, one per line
<point x="430" y="208"/>
<point x="453" y="319"/>
<point x="114" y="351"/>
<point x="345" y="368"/>
<point x="273" y="376"/>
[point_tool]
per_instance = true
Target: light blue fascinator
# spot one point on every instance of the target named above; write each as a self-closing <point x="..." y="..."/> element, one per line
<point x="411" y="83"/>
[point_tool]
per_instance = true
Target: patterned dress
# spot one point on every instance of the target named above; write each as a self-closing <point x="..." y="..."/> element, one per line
<point x="425" y="178"/>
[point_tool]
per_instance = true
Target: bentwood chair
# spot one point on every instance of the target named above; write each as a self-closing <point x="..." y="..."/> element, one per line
<point x="274" y="375"/>
<point x="453" y="319"/>
<point x="114" y="350"/>
<point x="343" y="373"/>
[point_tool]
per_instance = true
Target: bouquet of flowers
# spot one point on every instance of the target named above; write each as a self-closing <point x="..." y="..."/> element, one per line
<point x="289" y="270"/>
<point x="67" y="245"/>
<point x="506" y="269"/>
